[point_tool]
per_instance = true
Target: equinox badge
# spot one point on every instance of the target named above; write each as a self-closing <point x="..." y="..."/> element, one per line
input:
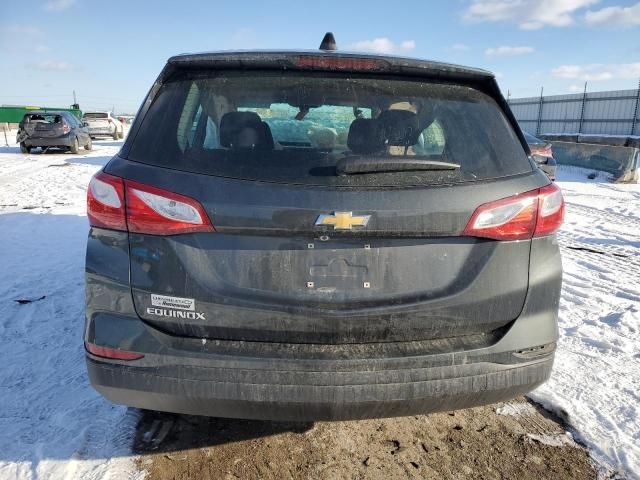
<point x="343" y="220"/>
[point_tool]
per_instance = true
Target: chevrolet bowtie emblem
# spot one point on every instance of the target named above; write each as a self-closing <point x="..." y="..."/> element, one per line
<point x="343" y="220"/>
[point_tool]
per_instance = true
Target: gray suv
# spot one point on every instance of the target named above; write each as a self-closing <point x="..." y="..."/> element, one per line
<point x="317" y="235"/>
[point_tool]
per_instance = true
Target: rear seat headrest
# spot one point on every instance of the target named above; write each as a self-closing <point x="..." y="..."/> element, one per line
<point x="401" y="127"/>
<point x="366" y="136"/>
<point x="245" y="130"/>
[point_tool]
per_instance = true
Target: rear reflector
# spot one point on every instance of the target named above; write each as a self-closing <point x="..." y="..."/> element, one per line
<point x="119" y="204"/>
<point x="106" y="352"/>
<point x="531" y="214"/>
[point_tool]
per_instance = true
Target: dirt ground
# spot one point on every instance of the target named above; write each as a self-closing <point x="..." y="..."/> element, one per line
<point x="516" y="440"/>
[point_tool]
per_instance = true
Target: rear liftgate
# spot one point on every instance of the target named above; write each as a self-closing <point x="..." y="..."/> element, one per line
<point x="407" y="266"/>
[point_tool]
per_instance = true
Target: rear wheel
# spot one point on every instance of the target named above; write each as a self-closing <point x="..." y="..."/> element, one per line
<point x="121" y="134"/>
<point x="24" y="148"/>
<point x="89" y="145"/>
<point x="75" y="147"/>
<point x="115" y="134"/>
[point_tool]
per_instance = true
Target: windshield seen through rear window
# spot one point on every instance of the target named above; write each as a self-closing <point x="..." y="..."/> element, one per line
<point x="309" y="128"/>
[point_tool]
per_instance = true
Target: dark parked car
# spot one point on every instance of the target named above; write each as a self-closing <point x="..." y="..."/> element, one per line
<point x="52" y="129"/>
<point x="321" y="235"/>
<point x="542" y="154"/>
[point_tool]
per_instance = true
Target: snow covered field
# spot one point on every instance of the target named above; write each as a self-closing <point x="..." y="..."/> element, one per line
<point x="596" y="378"/>
<point x="53" y="425"/>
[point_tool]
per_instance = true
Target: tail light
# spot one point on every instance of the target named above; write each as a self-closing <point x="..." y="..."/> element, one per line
<point x="531" y="214"/>
<point x="542" y="154"/>
<point x="545" y="151"/>
<point x="158" y="212"/>
<point x="105" y="202"/>
<point x="550" y="210"/>
<point x="66" y="128"/>
<point x="118" y="204"/>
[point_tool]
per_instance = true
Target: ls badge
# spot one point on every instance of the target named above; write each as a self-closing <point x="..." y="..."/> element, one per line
<point x="343" y="220"/>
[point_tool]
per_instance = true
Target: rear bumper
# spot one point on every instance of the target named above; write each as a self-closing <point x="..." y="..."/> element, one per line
<point x="102" y="132"/>
<point x="64" y="141"/>
<point x="315" y="395"/>
<point x="311" y="381"/>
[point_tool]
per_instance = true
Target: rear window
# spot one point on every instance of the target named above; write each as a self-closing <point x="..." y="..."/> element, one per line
<point x="95" y="115"/>
<point x="43" y="118"/>
<point x="295" y="127"/>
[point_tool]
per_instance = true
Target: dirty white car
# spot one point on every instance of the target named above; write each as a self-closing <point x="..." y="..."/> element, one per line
<point x="103" y="124"/>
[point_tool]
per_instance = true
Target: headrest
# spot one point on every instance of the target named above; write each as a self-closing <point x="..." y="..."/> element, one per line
<point x="244" y="130"/>
<point x="401" y="127"/>
<point x="366" y="136"/>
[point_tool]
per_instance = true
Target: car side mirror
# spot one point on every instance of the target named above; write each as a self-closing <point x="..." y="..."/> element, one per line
<point x="85" y="124"/>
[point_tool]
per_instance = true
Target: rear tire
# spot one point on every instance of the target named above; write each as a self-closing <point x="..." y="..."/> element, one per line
<point x="75" y="148"/>
<point x="121" y="134"/>
<point x="115" y="134"/>
<point x="24" y="148"/>
<point x="89" y="145"/>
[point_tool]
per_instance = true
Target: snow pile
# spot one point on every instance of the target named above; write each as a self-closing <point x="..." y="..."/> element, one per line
<point x="595" y="384"/>
<point x="52" y="424"/>
<point x="519" y="409"/>
<point x="553" y="440"/>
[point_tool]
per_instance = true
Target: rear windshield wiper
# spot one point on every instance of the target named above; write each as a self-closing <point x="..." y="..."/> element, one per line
<point x="354" y="165"/>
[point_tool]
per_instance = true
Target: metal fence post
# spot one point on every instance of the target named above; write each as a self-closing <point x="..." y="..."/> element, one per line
<point x="540" y="111"/>
<point x="5" y="128"/>
<point x="584" y="99"/>
<point x="635" y="111"/>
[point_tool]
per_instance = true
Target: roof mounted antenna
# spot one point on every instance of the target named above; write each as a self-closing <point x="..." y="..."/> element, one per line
<point x="328" y="42"/>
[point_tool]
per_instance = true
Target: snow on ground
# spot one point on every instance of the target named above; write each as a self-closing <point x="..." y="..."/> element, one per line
<point x="596" y="378"/>
<point x="54" y="426"/>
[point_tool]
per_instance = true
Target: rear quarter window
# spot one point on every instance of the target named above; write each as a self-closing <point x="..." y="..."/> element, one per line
<point x="295" y="127"/>
<point x="72" y="120"/>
